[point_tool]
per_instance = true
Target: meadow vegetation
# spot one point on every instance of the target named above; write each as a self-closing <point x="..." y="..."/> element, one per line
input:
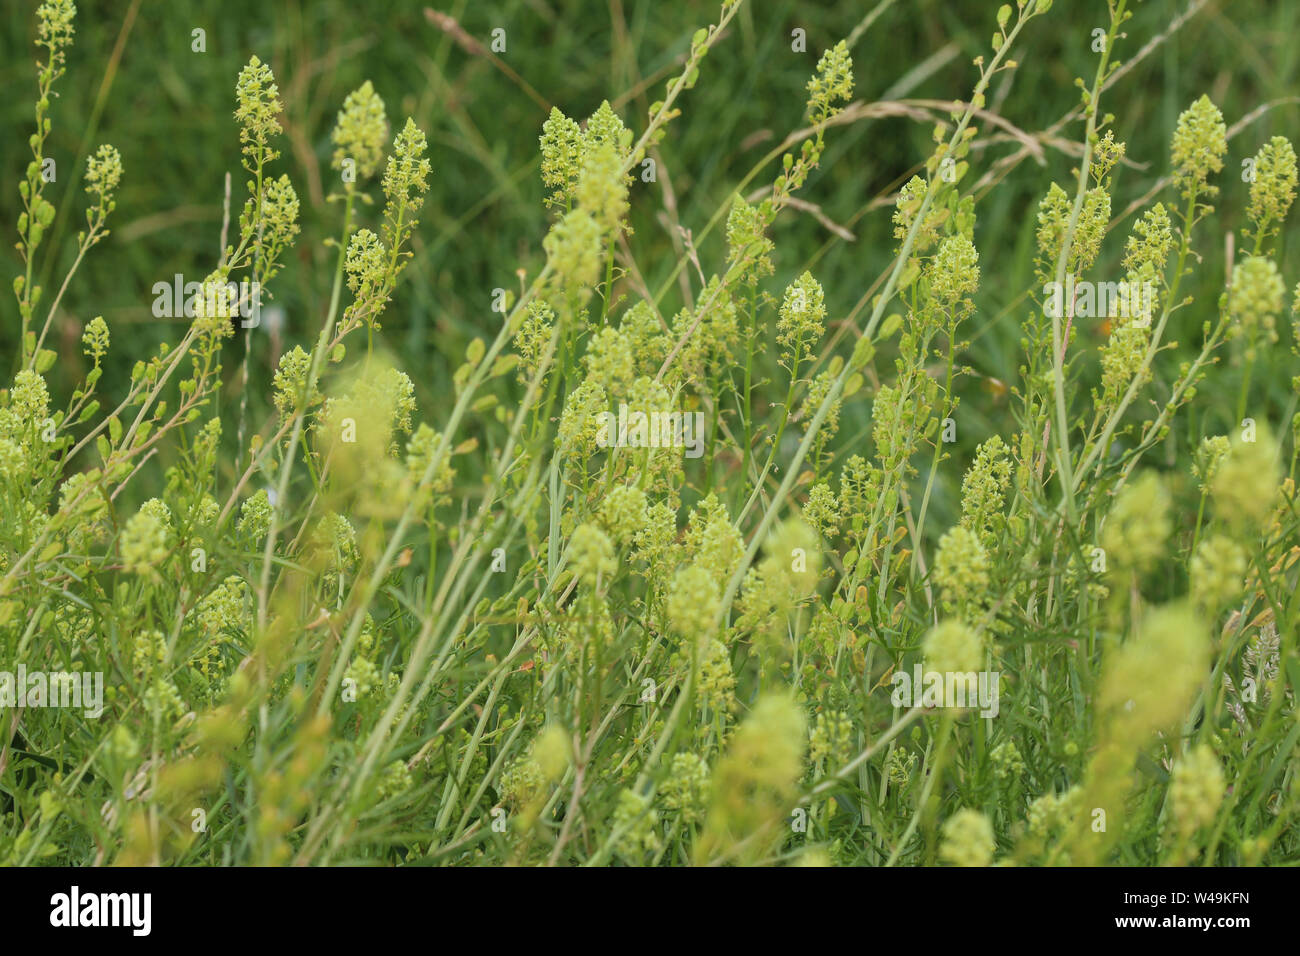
<point x="356" y="603"/>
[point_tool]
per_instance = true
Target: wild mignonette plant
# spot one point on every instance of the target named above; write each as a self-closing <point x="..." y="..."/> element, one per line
<point x="631" y="594"/>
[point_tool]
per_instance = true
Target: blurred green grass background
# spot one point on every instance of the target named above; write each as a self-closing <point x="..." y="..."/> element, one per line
<point x="133" y="80"/>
